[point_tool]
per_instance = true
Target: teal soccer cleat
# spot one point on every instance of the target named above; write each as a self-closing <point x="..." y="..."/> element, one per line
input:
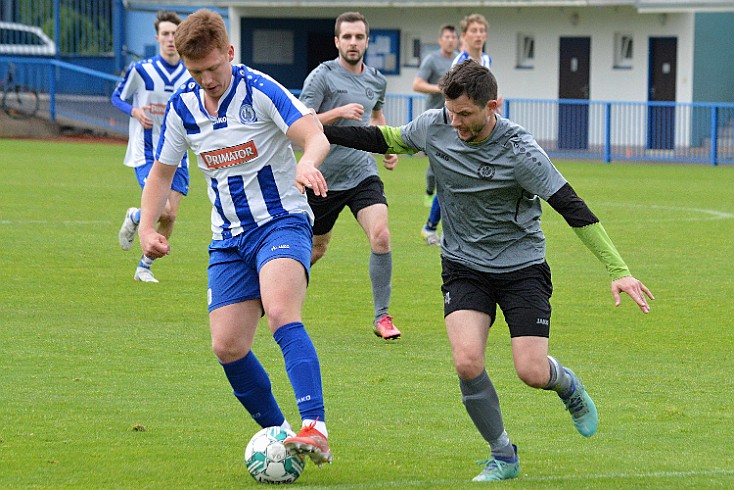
<point x="581" y="407"/>
<point x="499" y="469"/>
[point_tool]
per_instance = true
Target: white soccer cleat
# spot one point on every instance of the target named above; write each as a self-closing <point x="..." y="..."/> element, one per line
<point x="144" y="275"/>
<point x="431" y="237"/>
<point x="127" y="230"/>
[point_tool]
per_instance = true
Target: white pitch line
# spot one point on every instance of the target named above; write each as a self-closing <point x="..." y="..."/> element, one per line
<point x="712" y="213"/>
<point x="54" y="222"/>
<point x="550" y="478"/>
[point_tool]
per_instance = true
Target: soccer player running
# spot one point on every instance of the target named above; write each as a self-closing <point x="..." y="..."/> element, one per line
<point x="240" y="123"/>
<point x="149" y="83"/>
<point x="432" y="68"/>
<point x="474" y="32"/>
<point x="490" y="174"/>
<point x="346" y="92"/>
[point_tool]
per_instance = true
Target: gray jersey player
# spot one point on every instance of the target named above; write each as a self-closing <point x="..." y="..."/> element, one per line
<point x="346" y="93"/>
<point x="491" y="175"/>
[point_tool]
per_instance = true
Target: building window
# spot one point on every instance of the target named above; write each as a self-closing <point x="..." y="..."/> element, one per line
<point x="525" y="51"/>
<point x="623" y="50"/>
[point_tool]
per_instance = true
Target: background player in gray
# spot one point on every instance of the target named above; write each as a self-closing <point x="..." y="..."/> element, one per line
<point x="490" y="176"/>
<point x="346" y="92"/>
<point x="432" y="68"/>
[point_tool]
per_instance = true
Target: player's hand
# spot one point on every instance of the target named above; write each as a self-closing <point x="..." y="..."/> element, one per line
<point x="390" y="161"/>
<point x="352" y="111"/>
<point x="139" y="114"/>
<point x="635" y="289"/>
<point x="309" y="176"/>
<point x="154" y="244"/>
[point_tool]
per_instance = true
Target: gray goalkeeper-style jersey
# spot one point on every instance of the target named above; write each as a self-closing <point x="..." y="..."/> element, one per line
<point x="329" y="86"/>
<point x="489" y="192"/>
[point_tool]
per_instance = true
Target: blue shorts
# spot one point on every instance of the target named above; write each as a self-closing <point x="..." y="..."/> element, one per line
<point x="180" y="179"/>
<point x="235" y="263"/>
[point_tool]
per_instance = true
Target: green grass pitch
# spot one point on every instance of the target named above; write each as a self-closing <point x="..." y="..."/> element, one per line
<point x="109" y="383"/>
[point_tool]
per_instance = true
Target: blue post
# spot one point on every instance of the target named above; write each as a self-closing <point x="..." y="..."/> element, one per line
<point x="57" y="27"/>
<point x="714" y="135"/>
<point x="52" y="91"/>
<point x="410" y="108"/>
<point x="507" y="109"/>
<point x="118" y="34"/>
<point x="607" y="132"/>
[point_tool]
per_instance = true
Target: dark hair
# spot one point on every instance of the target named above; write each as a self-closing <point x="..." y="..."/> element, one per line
<point x="350" y="17"/>
<point x="166" y="16"/>
<point x="446" y="27"/>
<point x="471" y="79"/>
<point x="201" y="33"/>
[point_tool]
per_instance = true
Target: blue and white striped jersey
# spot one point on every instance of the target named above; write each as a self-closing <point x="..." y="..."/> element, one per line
<point x="463" y="56"/>
<point x="149" y="83"/>
<point x="243" y="151"/>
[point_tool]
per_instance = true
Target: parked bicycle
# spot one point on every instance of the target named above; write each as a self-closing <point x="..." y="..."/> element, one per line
<point x="19" y="101"/>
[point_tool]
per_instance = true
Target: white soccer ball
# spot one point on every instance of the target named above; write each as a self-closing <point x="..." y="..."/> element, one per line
<point x="269" y="461"/>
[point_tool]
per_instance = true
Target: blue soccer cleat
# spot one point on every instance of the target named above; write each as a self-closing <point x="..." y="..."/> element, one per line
<point x="496" y="469"/>
<point x="581" y="407"/>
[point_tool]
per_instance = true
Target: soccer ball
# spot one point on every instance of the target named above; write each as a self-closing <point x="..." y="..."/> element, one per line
<point x="269" y="461"/>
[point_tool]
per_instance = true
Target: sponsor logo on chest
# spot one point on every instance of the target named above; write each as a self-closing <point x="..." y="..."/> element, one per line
<point x="228" y="157"/>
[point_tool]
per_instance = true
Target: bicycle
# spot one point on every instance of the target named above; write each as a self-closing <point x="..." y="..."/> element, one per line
<point x="18" y="101"/>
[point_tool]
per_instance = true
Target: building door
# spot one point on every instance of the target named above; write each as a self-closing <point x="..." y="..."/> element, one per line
<point x="573" y="83"/>
<point x="287" y="49"/>
<point x="661" y="88"/>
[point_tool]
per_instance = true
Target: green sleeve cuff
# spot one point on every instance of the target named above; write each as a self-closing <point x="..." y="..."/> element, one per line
<point x="595" y="238"/>
<point x="394" y="142"/>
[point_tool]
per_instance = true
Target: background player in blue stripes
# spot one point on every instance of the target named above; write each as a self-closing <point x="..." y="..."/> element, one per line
<point x="474" y="32"/>
<point x="240" y="123"/>
<point x="149" y="83"/>
<point x="432" y="68"/>
<point x="490" y="176"/>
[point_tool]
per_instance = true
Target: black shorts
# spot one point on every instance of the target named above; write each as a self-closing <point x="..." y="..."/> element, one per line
<point x="326" y="209"/>
<point x="522" y="295"/>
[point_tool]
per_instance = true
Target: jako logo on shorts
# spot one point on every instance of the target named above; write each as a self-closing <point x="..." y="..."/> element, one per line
<point x="228" y="157"/>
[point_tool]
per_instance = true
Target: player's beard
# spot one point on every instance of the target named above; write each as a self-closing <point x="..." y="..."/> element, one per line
<point x="349" y="57"/>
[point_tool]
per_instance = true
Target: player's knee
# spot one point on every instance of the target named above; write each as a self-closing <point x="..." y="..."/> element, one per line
<point x="167" y="218"/>
<point x="317" y="252"/>
<point x="227" y="351"/>
<point x="468" y="367"/>
<point x="380" y="240"/>
<point x="535" y="375"/>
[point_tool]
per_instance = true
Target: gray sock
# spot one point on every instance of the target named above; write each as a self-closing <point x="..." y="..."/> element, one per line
<point x="483" y="406"/>
<point x="560" y="381"/>
<point x="381" y="277"/>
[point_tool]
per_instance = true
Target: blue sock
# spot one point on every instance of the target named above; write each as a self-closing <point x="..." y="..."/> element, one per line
<point x="434" y="217"/>
<point x="252" y="388"/>
<point x="302" y="366"/>
<point x="136" y="217"/>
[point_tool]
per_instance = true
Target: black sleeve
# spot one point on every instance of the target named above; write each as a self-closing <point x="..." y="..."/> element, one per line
<point x="367" y="138"/>
<point x="573" y="209"/>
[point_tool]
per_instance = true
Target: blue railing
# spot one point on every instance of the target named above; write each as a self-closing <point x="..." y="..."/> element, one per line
<point x="600" y="130"/>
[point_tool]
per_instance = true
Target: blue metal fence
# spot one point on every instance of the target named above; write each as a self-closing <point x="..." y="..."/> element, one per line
<point x="597" y="130"/>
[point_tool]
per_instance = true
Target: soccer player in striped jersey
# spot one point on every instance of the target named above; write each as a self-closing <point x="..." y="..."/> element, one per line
<point x="490" y="177"/>
<point x="240" y="124"/>
<point x="474" y="32"/>
<point x="346" y="92"/>
<point x="149" y="83"/>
